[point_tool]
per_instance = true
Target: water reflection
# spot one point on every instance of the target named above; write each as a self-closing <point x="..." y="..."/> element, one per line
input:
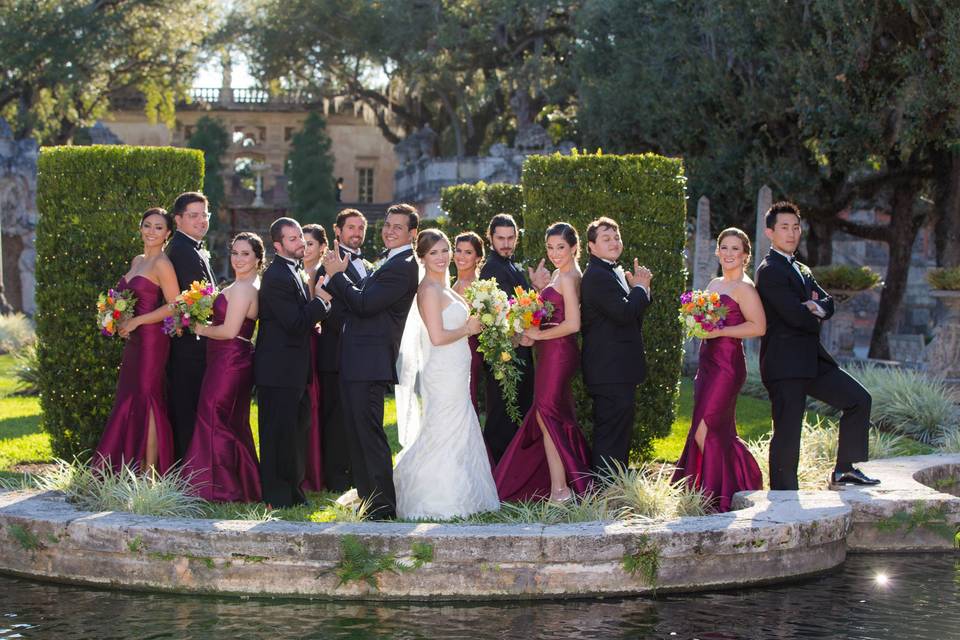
<point x="917" y="599"/>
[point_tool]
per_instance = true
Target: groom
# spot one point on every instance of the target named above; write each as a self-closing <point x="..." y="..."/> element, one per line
<point x="613" y="304"/>
<point x="375" y="312"/>
<point x="793" y="363"/>
<point x="281" y="365"/>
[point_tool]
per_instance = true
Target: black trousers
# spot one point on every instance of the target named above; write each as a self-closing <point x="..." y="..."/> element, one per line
<point x="370" y="458"/>
<point x="184" y="379"/>
<point x="835" y="387"/>
<point x="614" y="409"/>
<point x="498" y="428"/>
<point x="284" y="421"/>
<point x="336" y="443"/>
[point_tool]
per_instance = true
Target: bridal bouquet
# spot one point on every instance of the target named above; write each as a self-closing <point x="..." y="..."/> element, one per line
<point x="113" y="309"/>
<point x="192" y="307"/>
<point x="701" y="312"/>
<point x="491" y="306"/>
<point x="527" y="309"/>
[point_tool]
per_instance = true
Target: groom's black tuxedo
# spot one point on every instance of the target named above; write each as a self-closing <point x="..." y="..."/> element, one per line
<point x="282" y="371"/>
<point x="188" y="355"/>
<point x="793" y="365"/>
<point x="613" y="357"/>
<point x="336" y="447"/>
<point x="499" y="429"/>
<point x="376" y="312"/>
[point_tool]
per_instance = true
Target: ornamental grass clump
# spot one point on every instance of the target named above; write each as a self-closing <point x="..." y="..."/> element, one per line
<point x="16" y="333"/>
<point x="944" y="279"/>
<point x="907" y="402"/>
<point x="648" y="493"/>
<point x="127" y="490"/>
<point x="845" y="277"/>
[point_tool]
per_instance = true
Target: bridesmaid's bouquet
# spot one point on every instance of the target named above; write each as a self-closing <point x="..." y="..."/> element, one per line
<point x="491" y="306"/>
<point x="701" y="312"/>
<point x="192" y="308"/>
<point x="113" y="309"/>
<point x="527" y="309"/>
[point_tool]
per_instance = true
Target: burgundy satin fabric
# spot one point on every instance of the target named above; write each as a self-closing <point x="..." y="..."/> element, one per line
<point x="221" y="460"/>
<point x="725" y="466"/>
<point x="140" y="390"/>
<point x="522" y="472"/>
<point x="476" y="364"/>
<point x="313" y="479"/>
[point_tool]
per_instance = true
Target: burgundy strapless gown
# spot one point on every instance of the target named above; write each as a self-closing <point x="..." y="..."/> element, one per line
<point x="476" y="365"/>
<point x="523" y="472"/>
<point x="725" y="466"/>
<point x="313" y="479"/>
<point x="221" y="461"/>
<point x="140" y="390"/>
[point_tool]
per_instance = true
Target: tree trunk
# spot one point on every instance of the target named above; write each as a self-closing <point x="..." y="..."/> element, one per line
<point x="901" y="234"/>
<point x="819" y="243"/>
<point x="947" y="208"/>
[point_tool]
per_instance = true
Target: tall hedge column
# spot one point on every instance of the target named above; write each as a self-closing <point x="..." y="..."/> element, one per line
<point x="90" y="200"/>
<point x="645" y="194"/>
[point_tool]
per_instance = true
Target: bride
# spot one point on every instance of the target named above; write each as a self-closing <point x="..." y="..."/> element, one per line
<point x="443" y="470"/>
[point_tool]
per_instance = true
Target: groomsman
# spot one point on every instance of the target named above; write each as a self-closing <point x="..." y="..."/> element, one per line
<point x="499" y="429"/>
<point x="612" y="306"/>
<point x="188" y="354"/>
<point x="376" y="312"/>
<point x="350" y="230"/>
<point x="793" y="363"/>
<point x="281" y="365"/>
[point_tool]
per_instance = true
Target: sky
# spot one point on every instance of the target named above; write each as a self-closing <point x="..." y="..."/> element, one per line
<point x="209" y="75"/>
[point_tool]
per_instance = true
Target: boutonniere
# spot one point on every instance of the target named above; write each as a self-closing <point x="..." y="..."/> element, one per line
<point x="369" y="266"/>
<point x="304" y="277"/>
<point x="206" y="254"/>
<point x="376" y="265"/>
<point x="805" y="270"/>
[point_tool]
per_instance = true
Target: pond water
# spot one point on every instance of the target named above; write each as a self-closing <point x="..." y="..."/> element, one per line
<point x="872" y="597"/>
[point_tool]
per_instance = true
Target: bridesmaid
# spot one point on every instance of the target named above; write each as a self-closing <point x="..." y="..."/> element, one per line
<point x="714" y="459"/>
<point x="467" y="256"/>
<point x="221" y="461"/>
<point x="549" y="451"/>
<point x="138" y="432"/>
<point x="315" y="246"/>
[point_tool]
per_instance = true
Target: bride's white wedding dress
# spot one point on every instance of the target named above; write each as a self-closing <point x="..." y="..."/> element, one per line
<point x="445" y="471"/>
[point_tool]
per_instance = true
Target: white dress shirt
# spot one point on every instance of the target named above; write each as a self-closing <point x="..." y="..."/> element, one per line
<point x="356" y="261"/>
<point x="622" y="277"/>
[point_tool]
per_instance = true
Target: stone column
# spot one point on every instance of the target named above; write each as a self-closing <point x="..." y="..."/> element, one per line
<point x="761" y="245"/>
<point x="943" y="352"/>
<point x="704" y="260"/>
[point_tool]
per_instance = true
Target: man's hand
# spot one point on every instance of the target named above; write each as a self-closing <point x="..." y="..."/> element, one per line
<point x="333" y="262"/>
<point x="640" y="275"/>
<point x="539" y="277"/>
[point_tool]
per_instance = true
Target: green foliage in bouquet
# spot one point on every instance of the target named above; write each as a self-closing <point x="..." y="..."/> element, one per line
<point x="470" y="207"/>
<point x="845" y="277"/>
<point x="645" y="194"/>
<point x="946" y="279"/>
<point x="90" y="200"/>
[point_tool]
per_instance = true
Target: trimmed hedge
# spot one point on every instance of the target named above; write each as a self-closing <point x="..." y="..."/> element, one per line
<point x="90" y="201"/>
<point x="645" y="194"/>
<point x="470" y="207"/>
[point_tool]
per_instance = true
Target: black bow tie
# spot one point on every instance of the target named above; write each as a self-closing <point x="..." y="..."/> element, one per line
<point x="791" y="260"/>
<point x="350" y="255"/>
<point x="298" y="264"/>
<point x="384" y="254"/>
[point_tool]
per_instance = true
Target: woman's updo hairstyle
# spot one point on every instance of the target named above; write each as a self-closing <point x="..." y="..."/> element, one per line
<point x="255" y="242"/>
<point x="158" y="211"/>
<point x="566" y="231"/>
<point x="427" y="238"/>
<point x="744" y="238"/>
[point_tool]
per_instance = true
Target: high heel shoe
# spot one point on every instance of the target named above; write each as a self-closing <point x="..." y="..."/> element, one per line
<point x="561" y="498"/>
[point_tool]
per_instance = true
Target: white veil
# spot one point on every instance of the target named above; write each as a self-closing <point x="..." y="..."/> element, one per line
<point x="410" y="364"/>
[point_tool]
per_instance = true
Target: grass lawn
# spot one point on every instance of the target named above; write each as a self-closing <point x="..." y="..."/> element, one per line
<point x="753" y="421"/>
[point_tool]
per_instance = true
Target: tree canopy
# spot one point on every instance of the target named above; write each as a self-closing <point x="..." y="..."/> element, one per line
<point x="63" y="59"/>
<point x="309" y="168"/>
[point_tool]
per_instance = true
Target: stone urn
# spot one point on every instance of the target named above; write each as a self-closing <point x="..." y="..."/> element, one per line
<point x="838" y="334"/>
<point x="943" y="353"/>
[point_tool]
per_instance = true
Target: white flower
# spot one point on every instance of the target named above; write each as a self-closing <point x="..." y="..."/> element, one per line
<point x="304" y="277"/>
<point x="376" y="265"/>
<point x="205" y="254"/>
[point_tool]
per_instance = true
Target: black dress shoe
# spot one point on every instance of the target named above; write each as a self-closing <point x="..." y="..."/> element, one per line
<point x="854" y="476"/>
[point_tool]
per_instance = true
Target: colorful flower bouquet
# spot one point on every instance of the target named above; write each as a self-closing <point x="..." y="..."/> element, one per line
<point x="527" y="309"/>
<point x="113" y="309"/>
<point x="491" y="306"/>
<point x="192" y="308"/>
<point x="701" y="312"/>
